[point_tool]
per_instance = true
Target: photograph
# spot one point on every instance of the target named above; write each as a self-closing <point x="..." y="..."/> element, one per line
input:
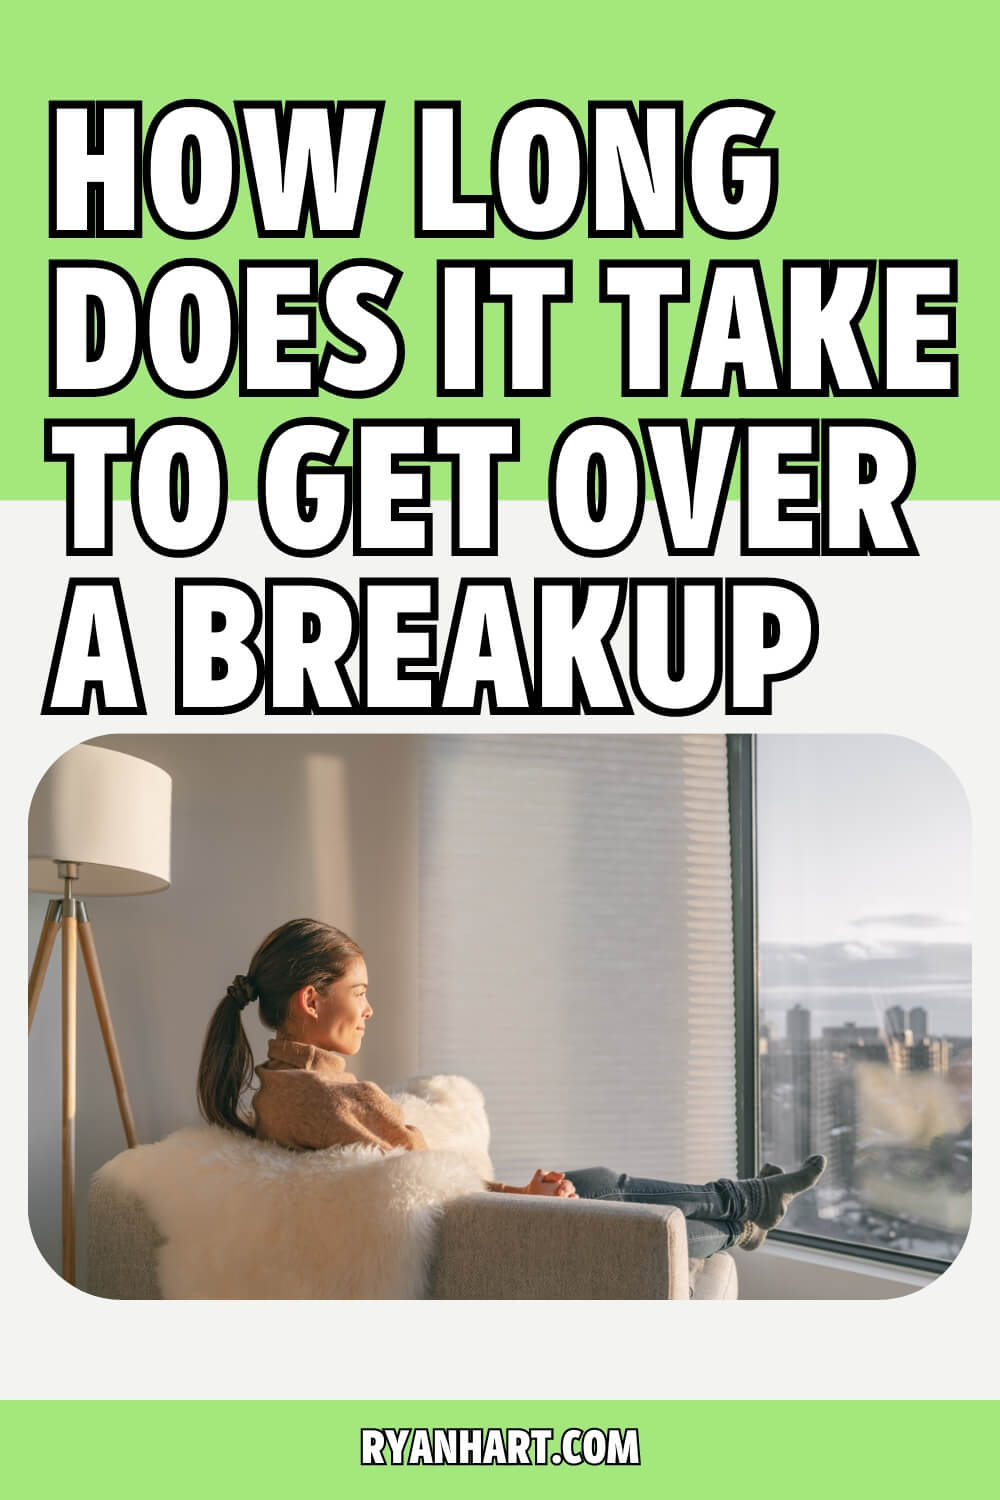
<point x="500" y="1016"/>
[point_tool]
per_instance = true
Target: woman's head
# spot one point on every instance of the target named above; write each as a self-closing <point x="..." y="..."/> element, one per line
<point x="311" y="982"/>
<point x="301" y="954"/>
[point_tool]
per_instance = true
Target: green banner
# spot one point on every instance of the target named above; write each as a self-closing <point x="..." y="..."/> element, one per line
<point x="879" y="121"/>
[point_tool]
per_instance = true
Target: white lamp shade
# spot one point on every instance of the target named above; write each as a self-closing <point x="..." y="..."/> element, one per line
<point x="108" y="812"/>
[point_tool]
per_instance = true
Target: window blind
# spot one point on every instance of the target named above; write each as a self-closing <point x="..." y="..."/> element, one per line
<point x="576" y="946"/>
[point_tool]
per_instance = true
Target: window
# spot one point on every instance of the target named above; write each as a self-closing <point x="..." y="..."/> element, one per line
<point x="864" y="990"/>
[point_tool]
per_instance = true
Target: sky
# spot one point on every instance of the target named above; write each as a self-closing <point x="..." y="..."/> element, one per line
<point x="864" y="876"/>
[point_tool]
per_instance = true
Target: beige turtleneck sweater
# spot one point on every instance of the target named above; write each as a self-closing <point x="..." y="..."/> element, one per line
<point x="308" y="1100"/>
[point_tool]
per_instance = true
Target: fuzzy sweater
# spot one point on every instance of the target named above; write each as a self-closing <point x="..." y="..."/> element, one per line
<point x="308" y="1100"/>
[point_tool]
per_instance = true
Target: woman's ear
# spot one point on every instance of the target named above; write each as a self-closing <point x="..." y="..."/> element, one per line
<point x="305" y="1002"/>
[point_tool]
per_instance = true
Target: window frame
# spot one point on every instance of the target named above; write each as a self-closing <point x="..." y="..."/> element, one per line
<point x="742" y="767"/>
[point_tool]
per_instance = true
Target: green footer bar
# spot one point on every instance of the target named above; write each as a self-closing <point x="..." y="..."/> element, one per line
<point x="145" y="1450"/>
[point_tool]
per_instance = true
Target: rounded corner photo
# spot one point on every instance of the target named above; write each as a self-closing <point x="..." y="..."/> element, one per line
<point x="501" y="1017"/>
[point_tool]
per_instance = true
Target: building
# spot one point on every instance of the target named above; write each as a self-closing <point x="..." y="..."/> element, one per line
<point x="895" y="1022"/>
<point x="932" y="1055"/>
<point x="840" y="1038"/>
<point x="798" y="1025"/>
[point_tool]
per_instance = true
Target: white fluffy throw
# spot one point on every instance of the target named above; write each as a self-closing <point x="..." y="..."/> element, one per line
<point x="245" y="1218"/>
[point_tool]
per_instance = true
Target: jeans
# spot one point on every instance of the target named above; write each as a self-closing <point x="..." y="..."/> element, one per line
<point x="715" y="1211"/>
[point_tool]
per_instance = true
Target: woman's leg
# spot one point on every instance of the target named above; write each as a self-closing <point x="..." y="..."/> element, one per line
<point x="728" y="1202"/>
<point x="716" y="1212"/>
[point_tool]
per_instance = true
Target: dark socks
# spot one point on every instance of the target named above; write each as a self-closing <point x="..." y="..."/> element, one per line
<point x="775" y="1190"/>
<point x="752" y="1236"/>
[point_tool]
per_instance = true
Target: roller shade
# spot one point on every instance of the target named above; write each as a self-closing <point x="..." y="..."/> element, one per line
<point x="576" y="946"/>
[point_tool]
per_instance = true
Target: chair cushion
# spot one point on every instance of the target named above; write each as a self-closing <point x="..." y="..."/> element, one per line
<point x="714" y="1279"/>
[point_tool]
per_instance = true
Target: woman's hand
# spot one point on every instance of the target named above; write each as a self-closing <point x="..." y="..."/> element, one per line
<point x="551" y="1185"/>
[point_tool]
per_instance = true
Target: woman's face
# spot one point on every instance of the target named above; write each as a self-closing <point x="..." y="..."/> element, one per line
<point x="336" y="1019"/>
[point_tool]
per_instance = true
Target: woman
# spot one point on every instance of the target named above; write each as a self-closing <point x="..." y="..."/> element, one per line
<point x="312" y="986"/>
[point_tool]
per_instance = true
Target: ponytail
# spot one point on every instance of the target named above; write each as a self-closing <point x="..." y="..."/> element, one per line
<point x="226" y="1068"/>
<point x="300" y="952"/>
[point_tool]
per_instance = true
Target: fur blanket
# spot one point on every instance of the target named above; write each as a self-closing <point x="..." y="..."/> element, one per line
<point x="248" y="1219"/>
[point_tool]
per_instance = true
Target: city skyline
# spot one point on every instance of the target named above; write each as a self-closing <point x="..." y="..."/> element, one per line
<point x="947" y="1014"/>
<point x="865" y="985"/>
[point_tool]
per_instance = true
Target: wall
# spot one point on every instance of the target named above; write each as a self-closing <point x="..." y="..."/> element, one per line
<point x="799" y="1273"/>
<point x="265" y="827"/>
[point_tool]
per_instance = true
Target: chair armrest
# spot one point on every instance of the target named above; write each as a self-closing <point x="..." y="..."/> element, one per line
<point x="122" y="1243"/>
<point x="500" y="1245"/>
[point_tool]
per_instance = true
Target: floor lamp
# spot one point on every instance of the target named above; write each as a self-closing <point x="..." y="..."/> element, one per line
<point x="99" y="826"/>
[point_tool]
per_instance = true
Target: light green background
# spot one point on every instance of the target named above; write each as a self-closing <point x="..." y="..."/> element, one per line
<point x="881" y="125"/>
<point x="120" y="1450"/>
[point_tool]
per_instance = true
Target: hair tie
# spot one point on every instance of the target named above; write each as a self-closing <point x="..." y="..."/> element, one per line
<point x="241" y="992"/>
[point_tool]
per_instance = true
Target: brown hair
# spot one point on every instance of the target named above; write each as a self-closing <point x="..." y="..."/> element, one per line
<point x="298" y="953"/>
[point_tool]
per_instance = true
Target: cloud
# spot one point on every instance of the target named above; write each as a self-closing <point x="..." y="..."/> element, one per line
<point x="880" y="965"/>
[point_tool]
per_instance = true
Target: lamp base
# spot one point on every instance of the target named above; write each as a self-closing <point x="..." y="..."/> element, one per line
<point x="68" y="917"/>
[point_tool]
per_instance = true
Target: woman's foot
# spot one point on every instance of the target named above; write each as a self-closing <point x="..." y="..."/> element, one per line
<point x="779" y="1188"/>
<point x="751" y="1237"/>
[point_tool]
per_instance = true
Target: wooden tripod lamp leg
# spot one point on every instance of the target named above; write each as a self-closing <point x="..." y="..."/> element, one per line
<point x="69" y="930"/>
<point x="89" y="950"/>
<point x="46" y="942"/>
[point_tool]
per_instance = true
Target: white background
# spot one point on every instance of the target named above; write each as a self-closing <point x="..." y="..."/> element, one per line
<point x="906" y="648"/>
